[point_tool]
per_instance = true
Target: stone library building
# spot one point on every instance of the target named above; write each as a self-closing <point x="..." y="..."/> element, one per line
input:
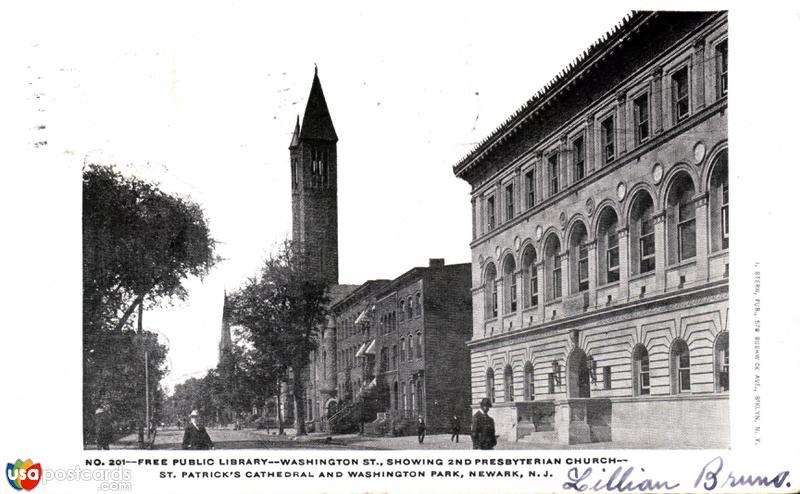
<point x="600" y="245"/>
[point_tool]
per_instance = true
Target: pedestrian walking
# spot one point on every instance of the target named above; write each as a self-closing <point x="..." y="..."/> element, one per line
<point x="483" y="436"/>
<point x="420" y="429"/>
<point x="104" y="430"/>
<point x="195" y="436"/>
<point x="455" y="427"/>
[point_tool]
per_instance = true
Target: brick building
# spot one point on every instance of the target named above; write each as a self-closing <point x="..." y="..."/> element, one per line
<point x="396" y="350"/>
<point x="600" y="244"/>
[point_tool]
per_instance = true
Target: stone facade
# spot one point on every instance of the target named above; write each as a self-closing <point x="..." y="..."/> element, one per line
<point x="600" y="244"/>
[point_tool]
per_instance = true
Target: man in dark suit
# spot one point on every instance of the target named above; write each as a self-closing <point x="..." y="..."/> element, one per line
<point x="455" y="427"/>
<point x="105" y="430"/>
<point x="483" y="427"/>
<point x="420" y="429"/>
<point x="195" y="435"/>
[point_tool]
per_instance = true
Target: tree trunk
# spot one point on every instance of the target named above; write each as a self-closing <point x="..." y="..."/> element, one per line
<point x="299" y="401"/>
<point x="278" y="406"/>
<point x="136" y="303"/>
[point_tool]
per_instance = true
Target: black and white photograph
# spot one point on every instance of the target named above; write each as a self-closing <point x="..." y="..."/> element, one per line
<point x="438" y="248"/>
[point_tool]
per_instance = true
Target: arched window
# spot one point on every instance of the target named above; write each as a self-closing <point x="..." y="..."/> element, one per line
<point x="509" y="284"/>
<point x="490" y="291"/>
<point x="418" y="304"/>
<point x="578" y="258"/>
<point x="405" y="395"/>
<point x="410" y="308"/>
<point x="324" y="364"/>
<point x="418" y="348"/>
<point x="680" y="364"/>
<point x="508" y="383"/>
<point x="681" y="235"/>
<point x="402" y="309"/>
<point x="642" y="233"/>
<point x="608" y="247"/>
<point x="396" y="396"/>
<point x="641" y="371"/>
<point x="530" y="280"/>
<point x="718" y="203"/>
<point x="721" y="357"/>
<point x="528" y="387"/>
<point x="552" y="267"/>
<point x="402" y="349"/>
<point x="490" y="384"/>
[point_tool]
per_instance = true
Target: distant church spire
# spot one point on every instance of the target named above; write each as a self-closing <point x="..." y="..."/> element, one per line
<point x="317" y="123"/>
<point x="295" y="134"/>
<point x="225" y="340"/>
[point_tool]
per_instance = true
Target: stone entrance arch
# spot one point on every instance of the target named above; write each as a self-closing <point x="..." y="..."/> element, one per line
<point x="578" y="374"/>
<point x="330" y="408"/>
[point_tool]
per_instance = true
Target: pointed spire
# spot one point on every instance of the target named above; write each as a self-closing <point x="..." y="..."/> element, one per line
<point x="317" y="123"/>
<point x="225" y="341"/>
<point x="295" y="134"/>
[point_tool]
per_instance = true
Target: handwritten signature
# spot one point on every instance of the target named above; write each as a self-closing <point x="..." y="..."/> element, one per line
<point x="711" y="477"/>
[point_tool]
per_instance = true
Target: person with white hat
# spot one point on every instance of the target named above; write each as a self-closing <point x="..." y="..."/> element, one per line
<point x="103" y="430"/>
<point x="195" y="435"/>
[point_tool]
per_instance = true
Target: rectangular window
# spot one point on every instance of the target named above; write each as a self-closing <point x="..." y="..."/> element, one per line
<point x="680" y="94"/>
<point x="490" y="213"/>
<point x="641" y="117"/>
<point x="529" y="189"/>
<point x="556" y="278"/>
<point x="607" y="139"/>
<point x="551" y="383"/>
<point x="552" y="161"/>
<point x="722" y="68"/>
<point x="647" y="246"/>
<point x="494" y="298"/>
<point x="684" y="374"/>
<point x="534" y="286"/>
<point x="644" y="375"/>
<point x="578" y="158"/>
<point x="583" y="267"/>
<point x="607" y="377"/>
<point x="724" y="381"/>
<point x="509" y="201"/>
<point x="686" y="232"/>
<point x="612" y="257"/>
<point x="513" y="292"/>
<point x="724" y="216"/>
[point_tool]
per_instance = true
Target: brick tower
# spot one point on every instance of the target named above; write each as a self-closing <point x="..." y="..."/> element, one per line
<point x="313" y="162"/>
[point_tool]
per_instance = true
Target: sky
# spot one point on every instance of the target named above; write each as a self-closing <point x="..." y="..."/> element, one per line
<point x="202" y="100"/>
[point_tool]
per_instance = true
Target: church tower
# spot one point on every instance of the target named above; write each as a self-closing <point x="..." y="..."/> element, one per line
<point x="313" y="166"/>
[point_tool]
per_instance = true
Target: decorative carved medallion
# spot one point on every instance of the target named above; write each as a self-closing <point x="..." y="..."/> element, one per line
<point x="590" y="206"/>
<point x="658" y="173"/>
<point x="622" y="189"/>
<point x="699" y="152"/>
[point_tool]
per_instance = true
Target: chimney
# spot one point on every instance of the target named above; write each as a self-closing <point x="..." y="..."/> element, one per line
<point x="436" y="263"/>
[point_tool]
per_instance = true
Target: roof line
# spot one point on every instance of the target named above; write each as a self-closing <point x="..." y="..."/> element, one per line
<point x="552" y="87"/>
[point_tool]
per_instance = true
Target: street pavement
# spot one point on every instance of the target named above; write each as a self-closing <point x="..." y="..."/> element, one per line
<point x="171" y="438"/>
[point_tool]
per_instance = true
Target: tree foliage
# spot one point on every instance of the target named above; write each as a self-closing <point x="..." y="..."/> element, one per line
<point x="281" y="310"/>
<point x="139" y="244"/>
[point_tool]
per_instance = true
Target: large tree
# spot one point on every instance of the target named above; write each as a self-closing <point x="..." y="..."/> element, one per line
<point x="139" y="245"/>
<point x="281" y="310"/>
